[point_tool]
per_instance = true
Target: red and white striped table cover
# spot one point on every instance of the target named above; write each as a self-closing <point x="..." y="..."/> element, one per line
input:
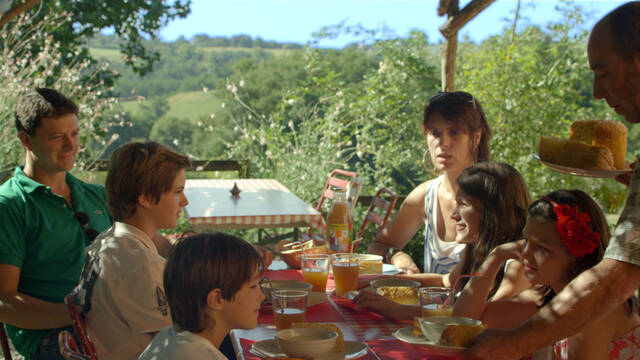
<point x="262" y="203"/>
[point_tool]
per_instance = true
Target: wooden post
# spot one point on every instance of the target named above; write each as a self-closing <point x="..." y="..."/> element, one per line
<point x="449" y="63"/>
<point x="456" y="19"/>
<point x="16" y="10"/>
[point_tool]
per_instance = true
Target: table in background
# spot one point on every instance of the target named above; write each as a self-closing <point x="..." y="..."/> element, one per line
<point x="262" y="203"/>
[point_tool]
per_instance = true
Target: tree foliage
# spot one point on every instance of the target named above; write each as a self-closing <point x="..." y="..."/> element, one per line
<point x="24" y="68"/>
<point x="131" y="20"/>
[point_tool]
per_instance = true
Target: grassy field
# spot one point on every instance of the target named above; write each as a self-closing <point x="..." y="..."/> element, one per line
<point x="110" y="55"/>
<point x="191" y="105"/>
<point x="114" y="55"/>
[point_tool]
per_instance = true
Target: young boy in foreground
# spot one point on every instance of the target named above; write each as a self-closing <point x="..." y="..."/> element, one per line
<point x="212" y="286"/>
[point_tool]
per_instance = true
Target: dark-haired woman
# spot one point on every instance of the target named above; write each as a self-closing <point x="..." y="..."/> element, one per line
<point x="457" y="136"/>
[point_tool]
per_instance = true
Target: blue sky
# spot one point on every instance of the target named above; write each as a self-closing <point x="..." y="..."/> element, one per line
<point x="297" y="20"/>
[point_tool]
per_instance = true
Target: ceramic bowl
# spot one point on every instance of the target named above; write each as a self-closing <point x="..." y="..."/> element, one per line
<point x="283" y="285"/>
<point x="306" y="343"/>
<point x="433" y="326"/>
<point x="293" y="257"/>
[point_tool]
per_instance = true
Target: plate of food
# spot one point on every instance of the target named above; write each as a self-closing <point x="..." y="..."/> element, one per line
<point x="441" y="335"/>
<point x="388" y="269"/>
<point x="406" y="335"/>
<point x="595" y="148"/>
<point x="582" y="172"/>
<point x="269" y="349"/>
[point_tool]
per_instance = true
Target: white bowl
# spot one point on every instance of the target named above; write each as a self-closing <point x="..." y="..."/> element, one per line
<point x="283" y="285"/>
<point x="433" y="326"/>
<point x="306" y="342"/>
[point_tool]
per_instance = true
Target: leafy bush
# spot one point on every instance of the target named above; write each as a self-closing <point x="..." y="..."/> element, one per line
<point x="30" y="58"/>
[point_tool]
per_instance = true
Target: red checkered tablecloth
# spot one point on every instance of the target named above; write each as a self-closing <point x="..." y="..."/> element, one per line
<point x="262" y="203"/>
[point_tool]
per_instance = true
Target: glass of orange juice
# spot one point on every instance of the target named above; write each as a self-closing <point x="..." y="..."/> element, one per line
<point x="432" y="301"/>
<point x="315" y="270"/>
<point x="345" y="268"/>
<point x="289" y="306"/>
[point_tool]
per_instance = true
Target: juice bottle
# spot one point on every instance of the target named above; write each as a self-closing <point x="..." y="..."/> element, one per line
<point x="339" y="226"/>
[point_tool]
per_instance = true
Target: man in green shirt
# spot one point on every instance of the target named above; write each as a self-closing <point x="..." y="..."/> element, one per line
<point x="45" y="216"/>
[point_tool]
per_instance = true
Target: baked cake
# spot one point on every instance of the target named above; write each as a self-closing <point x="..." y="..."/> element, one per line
<point x="592" y="145"/>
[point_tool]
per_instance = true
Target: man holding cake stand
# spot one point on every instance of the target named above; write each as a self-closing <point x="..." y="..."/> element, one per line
<point x="614" y="56"/>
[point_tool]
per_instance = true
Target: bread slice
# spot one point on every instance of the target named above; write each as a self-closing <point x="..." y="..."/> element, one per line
<point x="339" y="347"/>
<point x="416" y="329"/>
<point x="400" y="294"/>
<point x="461" y="335"/>
<point x="575" y="154"/>
<point x="611" y="134"/>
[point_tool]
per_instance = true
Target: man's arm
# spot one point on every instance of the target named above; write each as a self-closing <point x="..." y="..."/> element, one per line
<point x="594" y="293"/>
<point x="26" y="311"/>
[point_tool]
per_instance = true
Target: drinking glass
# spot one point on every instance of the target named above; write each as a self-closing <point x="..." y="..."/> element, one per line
<point x="315" y="270"/>
<point x="345" y="272"/>
<point x="432" y="301"/>
<point x="289" y="306"/>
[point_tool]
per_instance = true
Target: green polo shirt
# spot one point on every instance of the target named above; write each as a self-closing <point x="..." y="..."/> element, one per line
<point x="41" y="236"/>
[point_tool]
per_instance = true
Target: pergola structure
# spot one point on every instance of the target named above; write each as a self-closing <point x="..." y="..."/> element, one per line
<point x="456" y="19"/>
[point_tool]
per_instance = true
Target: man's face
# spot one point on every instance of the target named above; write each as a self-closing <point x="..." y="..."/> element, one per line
<point x="615" y="80"/>
<point x="55" y="144"/>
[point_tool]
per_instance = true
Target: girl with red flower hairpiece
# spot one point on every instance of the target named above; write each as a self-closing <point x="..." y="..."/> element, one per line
<point x="565" y="234"/>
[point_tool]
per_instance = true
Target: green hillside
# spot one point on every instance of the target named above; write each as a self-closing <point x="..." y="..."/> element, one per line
<point x="110" y="55"/>
<point x="186" y="105"/>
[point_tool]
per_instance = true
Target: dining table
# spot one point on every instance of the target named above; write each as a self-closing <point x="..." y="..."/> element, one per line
<point x="361" y="325"/>
<point x="257" y="204"/>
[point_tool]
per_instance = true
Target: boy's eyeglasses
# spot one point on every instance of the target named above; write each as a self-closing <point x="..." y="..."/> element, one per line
<point x="83" y="219"/>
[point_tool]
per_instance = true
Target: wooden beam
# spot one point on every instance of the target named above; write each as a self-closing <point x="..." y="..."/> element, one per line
<point x="447" y="7"/>
<point x="460" y="18"/>
<point x="449" y="63"/>
<point x="17" y="10"/>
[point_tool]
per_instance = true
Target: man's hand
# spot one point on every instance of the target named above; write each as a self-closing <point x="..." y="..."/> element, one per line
<point x="625" y="178"/>
<point x="267" y="255"/>
<point x="493" y="344"/>
<point x="404" y="262"/>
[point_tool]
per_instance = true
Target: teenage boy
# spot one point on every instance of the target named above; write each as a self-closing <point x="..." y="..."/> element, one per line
<point x="121" y="283"/>
<point x="45" y="215"/>
<point x="210" y="292"/>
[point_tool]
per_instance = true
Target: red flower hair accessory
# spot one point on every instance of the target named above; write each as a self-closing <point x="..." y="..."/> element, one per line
<point x="573" y="227"/>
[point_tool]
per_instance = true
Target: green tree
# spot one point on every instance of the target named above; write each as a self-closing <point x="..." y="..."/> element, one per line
<point x="537" y="84"/>
<point x="25" y="67"/>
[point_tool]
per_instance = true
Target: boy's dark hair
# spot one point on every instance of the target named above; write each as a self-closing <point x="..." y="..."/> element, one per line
<point x="41" y="103"/>
<point x="140" y="169"/>
<point x="201" y="263"/>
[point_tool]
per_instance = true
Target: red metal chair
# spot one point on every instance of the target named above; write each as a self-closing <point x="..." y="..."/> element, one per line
<point x="80" y="327"/>
<point x="4" y="339"/>
<point x="348" y="180"/>
<point x="68" y="348"/>
<point x="383" y="207"/>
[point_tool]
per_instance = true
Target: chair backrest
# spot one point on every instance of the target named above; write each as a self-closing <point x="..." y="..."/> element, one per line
<point x="79" y="326"/>
<point x="68" y="348"/>
<point x="339" y="178"/>
<point x="5" y="342"/>
<point x="378" y="212"/>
